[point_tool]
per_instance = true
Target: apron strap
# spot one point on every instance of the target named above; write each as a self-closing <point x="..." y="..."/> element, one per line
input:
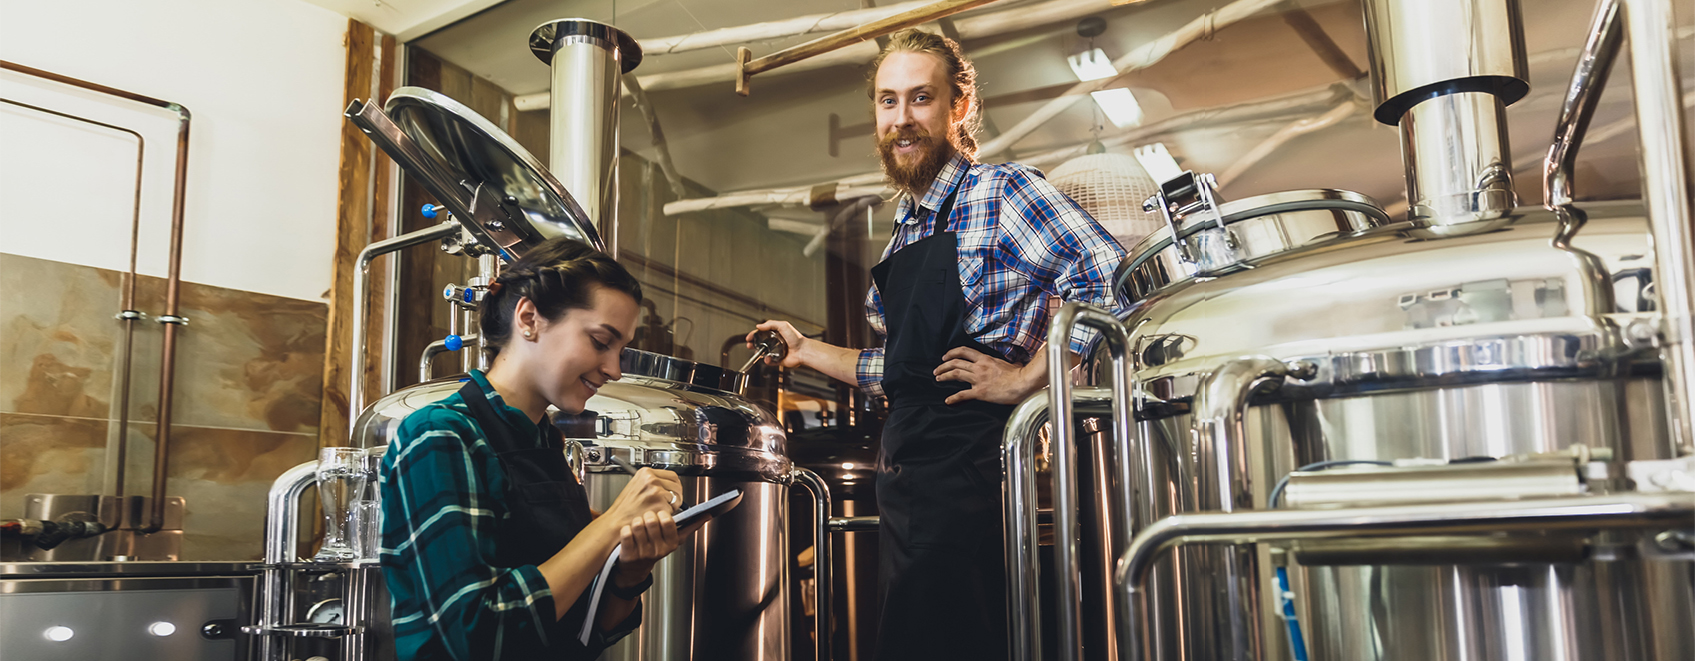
<point x="942" y="213"/>
<point x="499" y="433"/>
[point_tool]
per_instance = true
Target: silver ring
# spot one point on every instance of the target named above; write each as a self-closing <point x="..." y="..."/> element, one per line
<point x="673" y="502"/>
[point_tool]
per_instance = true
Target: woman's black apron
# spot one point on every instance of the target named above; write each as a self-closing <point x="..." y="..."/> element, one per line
<point x="943" y="581"/>
<point x="546" y="509"/>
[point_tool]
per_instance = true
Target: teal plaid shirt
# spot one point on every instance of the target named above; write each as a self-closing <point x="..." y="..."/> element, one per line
<point x="443" y="494"/>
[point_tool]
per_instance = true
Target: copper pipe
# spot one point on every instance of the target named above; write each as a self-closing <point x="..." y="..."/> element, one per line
<point x="173" y="280"/>
<point x="126" y="303"/>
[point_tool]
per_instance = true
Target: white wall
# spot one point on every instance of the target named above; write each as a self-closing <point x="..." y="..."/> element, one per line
<point x="263" y="79"/>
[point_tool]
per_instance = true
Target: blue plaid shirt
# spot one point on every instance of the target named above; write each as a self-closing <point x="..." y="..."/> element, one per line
<point x="443" y="494"/>
<point x="1020" y="241"/>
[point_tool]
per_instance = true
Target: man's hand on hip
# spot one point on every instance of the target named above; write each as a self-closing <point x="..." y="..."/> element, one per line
<point x="991" y="379"/>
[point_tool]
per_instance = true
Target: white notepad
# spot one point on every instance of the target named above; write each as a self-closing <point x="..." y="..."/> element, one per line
<point x="718" y="505"/>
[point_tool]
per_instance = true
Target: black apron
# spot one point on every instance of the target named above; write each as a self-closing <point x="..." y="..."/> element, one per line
<point x="546" y="508"/>
<point x="943" y="580"/>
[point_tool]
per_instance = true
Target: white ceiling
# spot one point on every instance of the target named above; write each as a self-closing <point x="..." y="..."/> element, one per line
<point x="780" y="135"/>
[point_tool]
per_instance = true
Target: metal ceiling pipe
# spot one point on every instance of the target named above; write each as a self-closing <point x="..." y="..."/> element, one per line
<point x="588" y="60"/>
<point x="1444" y="72"/>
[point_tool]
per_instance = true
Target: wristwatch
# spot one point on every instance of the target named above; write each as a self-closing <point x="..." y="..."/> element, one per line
<point x="630" y="593"/>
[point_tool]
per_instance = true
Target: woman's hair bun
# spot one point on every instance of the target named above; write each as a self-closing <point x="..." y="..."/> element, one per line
<point x="558" y="275"/>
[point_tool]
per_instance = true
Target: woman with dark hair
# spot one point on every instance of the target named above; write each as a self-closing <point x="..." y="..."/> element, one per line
<point x="488" y="544"/>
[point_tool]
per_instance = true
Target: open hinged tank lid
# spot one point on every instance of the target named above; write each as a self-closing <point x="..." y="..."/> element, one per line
<point x="495" y="188"/>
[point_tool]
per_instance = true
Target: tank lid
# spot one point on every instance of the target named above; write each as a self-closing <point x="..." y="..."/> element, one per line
<point x="1213" y="243"/>
<point x="502" y="179"/>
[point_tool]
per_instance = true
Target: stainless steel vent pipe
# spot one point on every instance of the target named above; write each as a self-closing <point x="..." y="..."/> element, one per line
<point x="588" y="60"/>
<point x="1444" y="71"/>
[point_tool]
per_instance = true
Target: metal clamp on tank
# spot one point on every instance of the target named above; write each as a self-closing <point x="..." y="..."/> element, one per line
<point x="1186" y="195"/>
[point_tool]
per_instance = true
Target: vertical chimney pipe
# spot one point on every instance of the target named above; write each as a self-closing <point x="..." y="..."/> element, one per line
<point x="588" y="60"/>
<point x="1444" y="72"/>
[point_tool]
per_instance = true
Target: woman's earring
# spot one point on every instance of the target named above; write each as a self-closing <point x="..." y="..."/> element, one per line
<point x="527" y="334"/>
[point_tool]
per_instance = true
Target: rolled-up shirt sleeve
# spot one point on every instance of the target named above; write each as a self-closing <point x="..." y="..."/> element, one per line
<point x="1051" y="240"/>
<point x="868" y="371"/>
<point x="438" y="543"/>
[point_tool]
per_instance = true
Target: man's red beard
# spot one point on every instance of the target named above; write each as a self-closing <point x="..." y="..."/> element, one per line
<point x="913" y="172"/>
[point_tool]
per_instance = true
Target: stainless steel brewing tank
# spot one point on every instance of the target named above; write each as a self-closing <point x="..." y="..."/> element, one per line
<point x="1416" y="345"/>
<point x="724" y="594"/>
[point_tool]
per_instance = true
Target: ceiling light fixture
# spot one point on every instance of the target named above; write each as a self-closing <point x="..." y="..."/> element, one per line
<point x="1092" y="64"/>
<point x="1120" y="106"/>
<point x="1158" y="162"/>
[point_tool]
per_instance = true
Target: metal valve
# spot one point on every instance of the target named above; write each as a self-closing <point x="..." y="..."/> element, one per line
<point x="766" y="344"/>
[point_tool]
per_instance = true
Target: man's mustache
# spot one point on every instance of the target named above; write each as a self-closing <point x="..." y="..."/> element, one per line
<point x="890" y="138"/>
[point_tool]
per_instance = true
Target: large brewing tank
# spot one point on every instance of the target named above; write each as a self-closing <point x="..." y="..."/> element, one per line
<point x="1261" y="342"/>
<point x="724" y="593"/>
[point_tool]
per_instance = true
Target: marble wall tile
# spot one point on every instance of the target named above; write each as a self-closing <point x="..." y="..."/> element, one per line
<point x="57" y="337"/>
<point x="222" y="476"/>
<point x="247" y="394"/>
<point x="48" y="454"/>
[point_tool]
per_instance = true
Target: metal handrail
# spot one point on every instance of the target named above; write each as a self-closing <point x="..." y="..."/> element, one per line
<point x="1656" y="88"/>
<point x="1474" y="518"/>
<point x="820" y="555"/>
<point x="1022" y="518"/>
<point x="1584" y="93"/>
<point x="1117" y="338"/>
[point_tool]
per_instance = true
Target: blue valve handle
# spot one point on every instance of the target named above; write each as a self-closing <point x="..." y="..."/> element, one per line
<point x="454" y="342"/>
<point x="430" y="210"/>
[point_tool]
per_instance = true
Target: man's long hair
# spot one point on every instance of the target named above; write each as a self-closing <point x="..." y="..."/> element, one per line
<point x="962" y="78"/>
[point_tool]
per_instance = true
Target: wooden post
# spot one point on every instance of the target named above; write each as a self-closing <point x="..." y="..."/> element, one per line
<point x="361" y="217"/>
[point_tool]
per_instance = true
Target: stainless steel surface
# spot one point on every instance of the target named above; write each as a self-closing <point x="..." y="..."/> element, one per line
<point x="1228" y="596"/>
<point x="1583" y="513"/>
<point x="1254" y="229"/>
<point x="1663" y="141"/>
<point x="587" y="60"/>
<point x="842" y="524"/>
<point x="1116" y="342"/>
<point x="669" y="368"/>
<point x="1018" y="491"/>
<point x="361" y="298"/>
<point x="1363" y="298"/>
<point x="1459" y="164"/>
<point x="1424" y="47"/>
<point x="1489" y="480"/>
<point x="820" y="558"/>
<point x="1444" y="70"/>
<point x="125" y="617"/>
<point x="491" y="184"/>
<point x="120" y="569"/>
<point x="124" y="519"/>
<point x="1421" y="345"/>
<point x="282" y="536"/>
<point x="724" y="593"/>
<point x="426" y="360"/>
<point x="1584" y="93"/>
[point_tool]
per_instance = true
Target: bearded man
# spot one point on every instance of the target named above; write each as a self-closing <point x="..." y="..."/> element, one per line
<point x="960" y="301"/>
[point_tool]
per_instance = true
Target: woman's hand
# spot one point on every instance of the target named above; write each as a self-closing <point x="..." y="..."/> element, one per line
<point x="643" y="513"/>
<point x="645" y="540"/>
<point x="650" y="490"/>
